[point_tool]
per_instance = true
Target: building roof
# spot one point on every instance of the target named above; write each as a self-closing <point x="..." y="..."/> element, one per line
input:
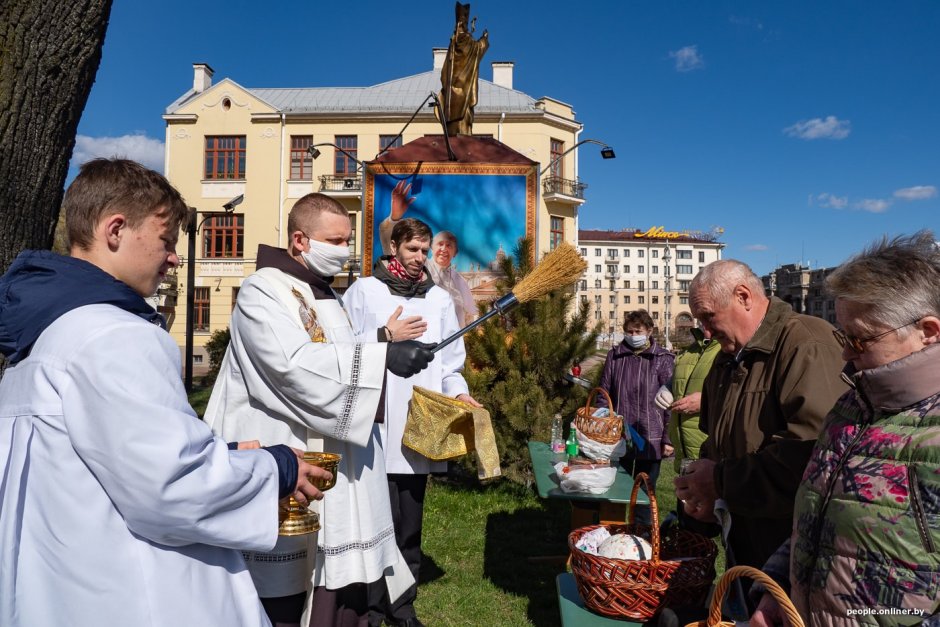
<point x="467" y="149"/>
<point x="627" y="236"/>
<point x="397" y="96"/>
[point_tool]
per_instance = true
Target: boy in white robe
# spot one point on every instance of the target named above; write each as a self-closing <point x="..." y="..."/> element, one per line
<point x="401" y="281"/>
<point x="293" y="374"/>
<point x="117" y="504"/>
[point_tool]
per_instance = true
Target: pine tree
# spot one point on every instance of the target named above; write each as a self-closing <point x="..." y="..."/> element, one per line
<point x="517" y="364"/>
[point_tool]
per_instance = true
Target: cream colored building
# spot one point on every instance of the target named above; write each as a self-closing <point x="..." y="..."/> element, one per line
<point x="631" y="269"/>
<point x="224" y="140"/>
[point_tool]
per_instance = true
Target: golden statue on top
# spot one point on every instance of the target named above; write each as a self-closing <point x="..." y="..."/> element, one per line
<point x="460" y="74"/>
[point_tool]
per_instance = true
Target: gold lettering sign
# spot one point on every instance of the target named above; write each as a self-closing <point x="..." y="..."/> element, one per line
<point x="658" y="232"/>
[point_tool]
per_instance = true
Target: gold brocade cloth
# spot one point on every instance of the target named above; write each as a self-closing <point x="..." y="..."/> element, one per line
<point x="440" y="427"/>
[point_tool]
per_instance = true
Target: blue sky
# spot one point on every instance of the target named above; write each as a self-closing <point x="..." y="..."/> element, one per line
<point x="804" y="129"/>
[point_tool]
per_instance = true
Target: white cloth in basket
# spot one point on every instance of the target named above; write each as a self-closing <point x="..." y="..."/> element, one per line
<point x="625" y="547"/>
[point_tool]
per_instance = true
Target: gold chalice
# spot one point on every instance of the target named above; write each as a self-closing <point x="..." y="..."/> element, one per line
<point x="326" y="461"/>
<point x="295" y="519"/>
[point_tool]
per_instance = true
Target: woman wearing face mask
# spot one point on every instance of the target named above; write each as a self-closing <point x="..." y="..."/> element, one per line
<point x="633" y="372"/>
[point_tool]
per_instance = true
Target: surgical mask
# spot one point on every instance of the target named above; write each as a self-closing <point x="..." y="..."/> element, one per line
<point x="636" y="341"/>
<point x="326" y="259"/>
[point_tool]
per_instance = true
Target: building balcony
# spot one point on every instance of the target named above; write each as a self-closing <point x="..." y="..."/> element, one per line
<point x="567" y="191"/>
<point x="341" y="184"/>
<point x="612" y="275"/>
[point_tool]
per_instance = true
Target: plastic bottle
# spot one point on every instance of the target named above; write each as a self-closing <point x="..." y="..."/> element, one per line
<point x="571" y="446"/>
<point x="557" y="442"/>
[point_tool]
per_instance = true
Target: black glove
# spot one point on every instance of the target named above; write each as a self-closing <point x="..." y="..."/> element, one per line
<point x="409" y="357"/>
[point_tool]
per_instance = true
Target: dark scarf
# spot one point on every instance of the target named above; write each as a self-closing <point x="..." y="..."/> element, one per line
<point x="402" y="287"/>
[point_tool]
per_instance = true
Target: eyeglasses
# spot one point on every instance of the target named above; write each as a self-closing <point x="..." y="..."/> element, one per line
<point x="858" y="344"/>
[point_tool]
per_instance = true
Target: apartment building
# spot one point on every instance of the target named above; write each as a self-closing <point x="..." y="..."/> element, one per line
<point x="644" y="269"/>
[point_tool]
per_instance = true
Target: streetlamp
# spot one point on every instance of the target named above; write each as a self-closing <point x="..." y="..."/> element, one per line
<point x="606" y="152"/>
<point x="192" y="230"/>
<point x="667" y="274"/>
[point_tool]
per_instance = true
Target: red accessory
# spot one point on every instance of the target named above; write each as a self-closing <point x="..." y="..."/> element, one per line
<point x="395" y="267"/>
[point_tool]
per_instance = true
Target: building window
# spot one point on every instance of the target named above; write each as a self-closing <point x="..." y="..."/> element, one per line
<point x="641" y="300"/>
<point x="626" y="269"/>
<point x="655" y="253"/>
<point x="655" y="314"/>
<point x="584" y="284"/>
<point x="640" y="253"/>
<point x="597" y="284"/>
<point x="612" y="315"/>
<point x="683" y="268"/>
<point x="655" y="269"/>
<point x="201" y="311"/>
<point x="626" y="284"/>
<point x="597" y="252"/>
<point x="655" y="300"/>
<point x="611" y="252"/>
<point x="683" y="300"/>
<point x="684" y="286"/>
<point x="225" y="157"/>
<point x="626" y="300"/>
<point x="683" y="254"/>
<point x="640" y="269"/>
<point x="701" y="256"/>
<point x="301" y="163"/>
<point x="584" y="252"/>
<point x="597" y="267"/>
<point x="613" y="299"/>
<point x="346" y="163"/>
<point x="654" y="285"/>
<point x="584" y="298"/>
<point x="641" y="286"/>
<point x="557" y="233"/>
<point x="234" y="297"/>
<point x="597" y="299"/>
<point x="557" y="149"/>
<point x="224" y="236"/>
<point x="197" y="359"/>
<point x="626" y="252"/>
<point x="597" y="314"/>
<point x="389" y="142"/>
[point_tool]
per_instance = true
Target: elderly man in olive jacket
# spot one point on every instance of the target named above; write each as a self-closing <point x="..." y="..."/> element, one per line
<point x="763" y="405"/>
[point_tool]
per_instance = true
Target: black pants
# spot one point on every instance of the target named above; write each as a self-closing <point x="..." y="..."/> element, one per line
<point x="635" y="466"/>
<point x="406" y="494"/>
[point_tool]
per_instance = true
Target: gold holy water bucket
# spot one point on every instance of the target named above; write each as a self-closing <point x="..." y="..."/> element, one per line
<point x="295" y="519"/>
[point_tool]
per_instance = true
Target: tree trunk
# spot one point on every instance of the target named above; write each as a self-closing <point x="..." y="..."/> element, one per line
<point x="49" y="54"/>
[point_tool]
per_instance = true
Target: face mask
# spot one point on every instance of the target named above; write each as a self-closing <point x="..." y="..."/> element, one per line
<point x="636" y="341"/>
<point x="326" y="259"/>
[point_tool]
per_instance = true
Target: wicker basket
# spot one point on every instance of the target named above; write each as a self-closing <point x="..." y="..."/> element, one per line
<point x="638" y="589"/>
<point x="606" y="430"/>
<point x="714" y="614"/>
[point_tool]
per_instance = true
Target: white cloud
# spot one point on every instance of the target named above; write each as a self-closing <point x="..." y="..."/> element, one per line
<point x="687" y="59"/>
<point x="830" y="201"/>
<point x="873" y="205"/>
<point x="755" y="247"/>
<point x="918" y="192"/>
<point x="746" y="21"/>
<point x="138" y="147"/>
<point x="818" y="128"/>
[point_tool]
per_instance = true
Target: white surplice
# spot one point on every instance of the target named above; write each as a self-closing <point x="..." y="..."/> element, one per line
<point x="369" y="304"/>
<point x="118" y="506"/>
<point x="279" y="387"/>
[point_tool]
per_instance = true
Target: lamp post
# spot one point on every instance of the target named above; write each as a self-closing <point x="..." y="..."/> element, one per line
<point x="667" y="275"/>
<point x="606" y="152"/>
<point x="192" y="230"/>
<point x="313" y="152"/>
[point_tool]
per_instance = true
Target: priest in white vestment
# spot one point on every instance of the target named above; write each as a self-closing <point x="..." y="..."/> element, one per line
<point x="118" y="506"/>
<point x="402" y="281"/>
<point x="293" y="374"/>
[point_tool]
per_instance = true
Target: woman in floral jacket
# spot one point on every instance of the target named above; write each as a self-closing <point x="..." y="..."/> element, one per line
<point x="865" y="547"/>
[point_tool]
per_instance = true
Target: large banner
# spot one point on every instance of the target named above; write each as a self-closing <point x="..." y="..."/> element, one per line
<point x="487" y="206"/>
